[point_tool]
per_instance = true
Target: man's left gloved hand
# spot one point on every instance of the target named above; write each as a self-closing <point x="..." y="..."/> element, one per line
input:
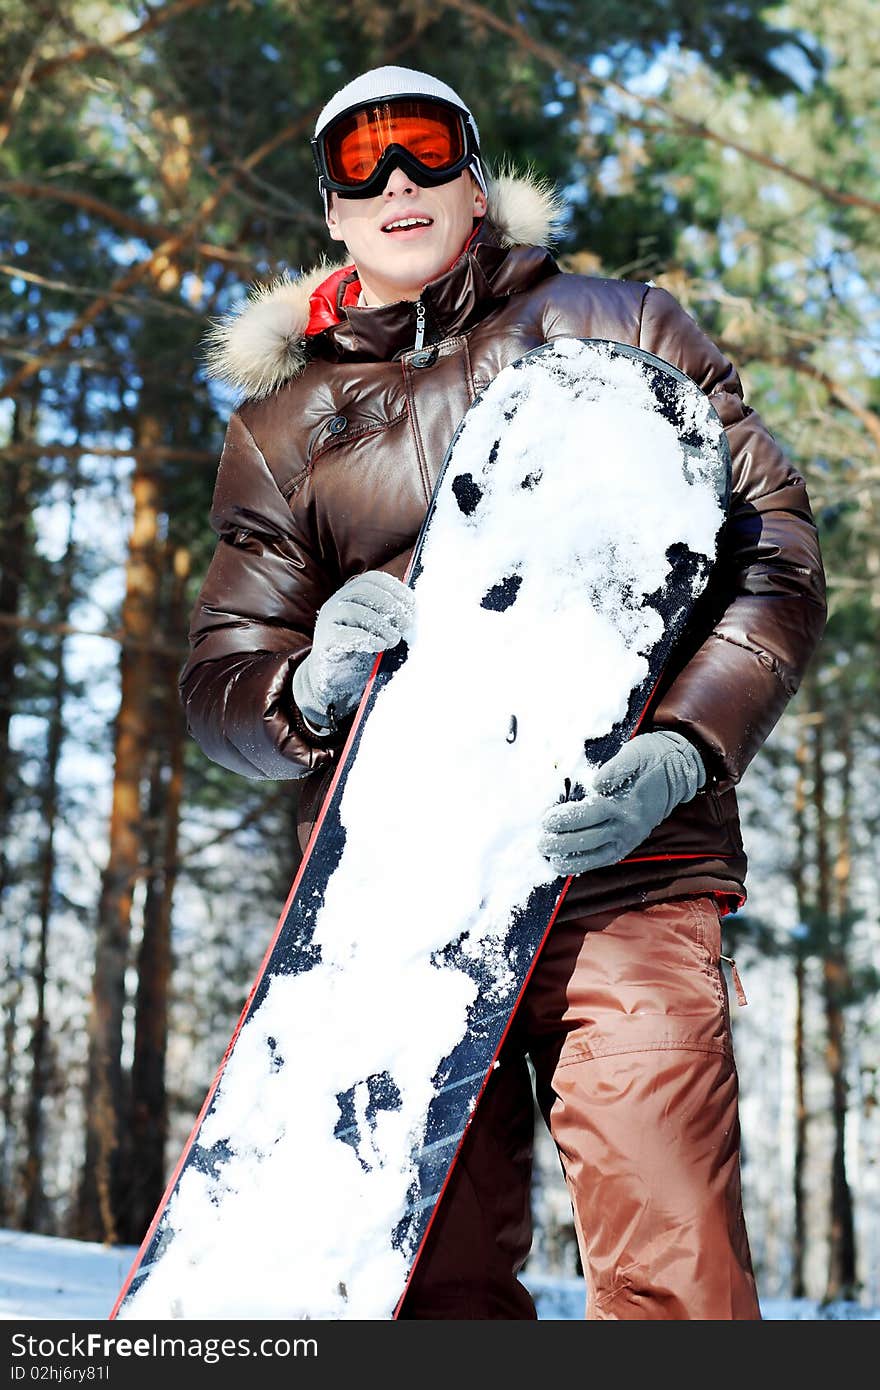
<point x="634" y="791"/>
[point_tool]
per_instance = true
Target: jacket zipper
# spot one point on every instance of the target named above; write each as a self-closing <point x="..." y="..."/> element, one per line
<point x="420" y="325"/>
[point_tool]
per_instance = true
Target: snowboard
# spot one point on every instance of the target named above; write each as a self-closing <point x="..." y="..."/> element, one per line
<point x="572" y="528"/>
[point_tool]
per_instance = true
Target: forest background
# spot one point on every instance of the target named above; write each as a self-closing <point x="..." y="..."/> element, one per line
<point x="154" y="163"/>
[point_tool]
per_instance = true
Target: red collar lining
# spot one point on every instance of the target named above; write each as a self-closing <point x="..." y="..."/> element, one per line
<point x="325" y="306"/>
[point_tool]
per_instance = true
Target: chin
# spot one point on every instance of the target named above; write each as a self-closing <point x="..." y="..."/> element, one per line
<point x="420" y="270"/>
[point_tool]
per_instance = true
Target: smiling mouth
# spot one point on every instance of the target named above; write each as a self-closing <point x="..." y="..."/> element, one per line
<point x="407" y="224"/>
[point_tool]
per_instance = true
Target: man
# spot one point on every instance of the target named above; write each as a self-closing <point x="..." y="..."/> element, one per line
<point x="355" y="378"/>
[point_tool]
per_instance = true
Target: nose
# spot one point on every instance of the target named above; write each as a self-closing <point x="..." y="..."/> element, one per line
<point x="398" y="182"/>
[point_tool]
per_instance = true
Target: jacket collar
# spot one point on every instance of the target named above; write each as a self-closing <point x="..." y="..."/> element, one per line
<point x="280" y="327"/>
<point x="453" y="302"/>
<point x="340" y="292"/>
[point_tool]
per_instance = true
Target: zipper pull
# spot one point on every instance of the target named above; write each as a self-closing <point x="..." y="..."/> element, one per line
<point x="737" y="982"/>
<point x="420" y="325"/>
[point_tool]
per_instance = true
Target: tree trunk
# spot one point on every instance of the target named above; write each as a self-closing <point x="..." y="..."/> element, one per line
<point x="843" y="1274"/>
<point x="97" y="1215"/>
<point x="16" y="487"/>
<point x="148" y="1128"/>
<point x="32" y="1176"/>
<point x="799" y="1240"/>
<point x="11" y="1002"/>
<point x="841" y="1282"/>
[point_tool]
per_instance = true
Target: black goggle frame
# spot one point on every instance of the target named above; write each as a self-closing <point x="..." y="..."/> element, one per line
<point x="420" y="174"/>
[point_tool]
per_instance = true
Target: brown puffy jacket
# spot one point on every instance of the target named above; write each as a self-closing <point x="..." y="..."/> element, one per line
<point x="327" y="470"/>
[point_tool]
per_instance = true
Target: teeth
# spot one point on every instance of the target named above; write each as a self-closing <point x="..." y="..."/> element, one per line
<point x="409" y="222"/>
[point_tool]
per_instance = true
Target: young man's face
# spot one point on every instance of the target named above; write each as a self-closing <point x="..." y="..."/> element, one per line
<point x="398" y="262"/>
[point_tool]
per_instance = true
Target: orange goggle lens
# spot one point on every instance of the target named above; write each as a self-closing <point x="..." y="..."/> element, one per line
<point x="432" y="134"/>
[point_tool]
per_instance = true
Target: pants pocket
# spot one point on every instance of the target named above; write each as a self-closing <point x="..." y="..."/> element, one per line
<point x="706" y="925"/>
<point x="648" y="980"/>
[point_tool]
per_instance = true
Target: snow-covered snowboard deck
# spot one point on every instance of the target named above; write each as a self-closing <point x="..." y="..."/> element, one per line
<point x="571" y="530"/>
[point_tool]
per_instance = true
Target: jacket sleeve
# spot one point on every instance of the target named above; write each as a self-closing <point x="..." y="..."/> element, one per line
<point x="731" y="691"/>
<point x="252" y="624"/>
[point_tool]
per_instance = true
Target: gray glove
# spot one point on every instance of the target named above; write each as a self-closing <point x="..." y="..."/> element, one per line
<point x="369" y="614"/>
<point x="634" y="791"/>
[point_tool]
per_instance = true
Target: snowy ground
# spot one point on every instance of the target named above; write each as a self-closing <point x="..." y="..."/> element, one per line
<point x="45" y="1278"/>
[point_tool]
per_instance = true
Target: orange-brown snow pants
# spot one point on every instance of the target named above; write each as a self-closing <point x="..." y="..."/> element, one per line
<point x="626" y="1021"/>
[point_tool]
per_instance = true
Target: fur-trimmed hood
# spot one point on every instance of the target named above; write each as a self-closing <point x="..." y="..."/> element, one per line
<point x="263" y="342"/>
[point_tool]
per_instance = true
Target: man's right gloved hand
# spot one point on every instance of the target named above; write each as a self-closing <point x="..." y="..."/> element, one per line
<point x="369" y="614"/>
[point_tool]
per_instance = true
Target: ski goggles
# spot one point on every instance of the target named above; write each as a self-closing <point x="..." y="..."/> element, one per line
<point x="430" y="139"/>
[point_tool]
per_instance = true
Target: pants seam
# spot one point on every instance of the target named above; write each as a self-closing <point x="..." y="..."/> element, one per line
<point x="602" y="1301"/>
<point x="712" y="967"/>
<point x="589" y="1054"/>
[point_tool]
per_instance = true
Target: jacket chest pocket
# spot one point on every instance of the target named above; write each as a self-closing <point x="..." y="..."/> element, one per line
<point x="340" y="432"/>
